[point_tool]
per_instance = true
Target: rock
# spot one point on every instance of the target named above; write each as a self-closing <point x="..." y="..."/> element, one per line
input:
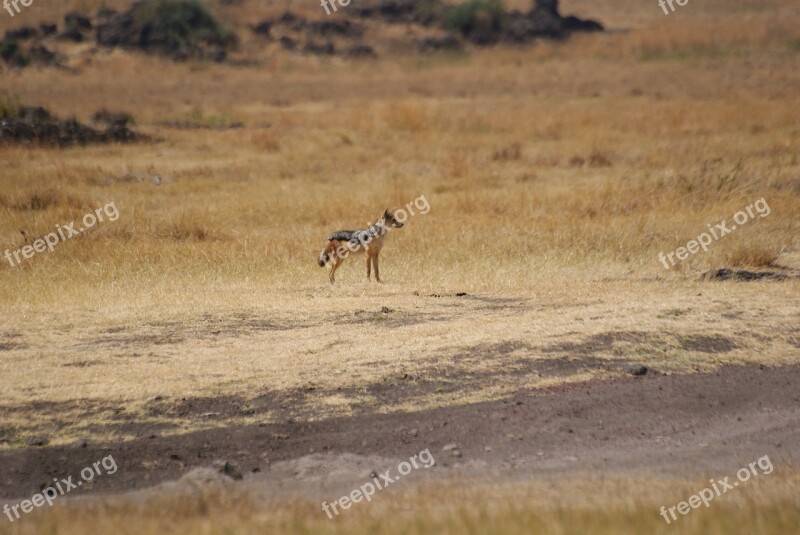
<point x="229" y="469"/>
<point x="450" y="447"/>
<point x="637" y="370"/>
<point x="37" y="441"/>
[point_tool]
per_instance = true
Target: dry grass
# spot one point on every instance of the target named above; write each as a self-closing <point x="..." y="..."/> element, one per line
<point x="573" y="506"/>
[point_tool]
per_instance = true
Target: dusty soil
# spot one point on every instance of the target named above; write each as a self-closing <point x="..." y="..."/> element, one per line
<point x="665" y="425"/>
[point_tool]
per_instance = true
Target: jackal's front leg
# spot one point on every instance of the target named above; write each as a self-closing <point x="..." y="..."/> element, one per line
<point x="375" y="265"/>
<point x="334" y="263"/>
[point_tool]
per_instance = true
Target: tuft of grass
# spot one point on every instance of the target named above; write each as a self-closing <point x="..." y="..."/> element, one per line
<point x="512" y="152"/>
<point x="267" y="141"/>
<point x="197" y="119"/>
<point x="673" y="313"/>
<point x="407" y="115"/>
<point x="9" y="105"/>
<point x="190" y="228"/>
<point x="754" y="255"/>
<point x="41" y="200"/>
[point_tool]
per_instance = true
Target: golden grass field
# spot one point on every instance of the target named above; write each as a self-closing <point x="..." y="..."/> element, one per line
<point x="555" y="173"/>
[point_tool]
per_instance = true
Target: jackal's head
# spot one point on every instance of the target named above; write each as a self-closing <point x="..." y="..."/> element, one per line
<point x="390" y="220"/>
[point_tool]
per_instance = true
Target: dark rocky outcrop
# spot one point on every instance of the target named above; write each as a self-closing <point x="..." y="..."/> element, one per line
<point x="28" y="125"/>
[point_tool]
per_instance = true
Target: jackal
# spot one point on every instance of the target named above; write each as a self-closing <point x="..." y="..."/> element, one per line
<point x="370" y="241"/>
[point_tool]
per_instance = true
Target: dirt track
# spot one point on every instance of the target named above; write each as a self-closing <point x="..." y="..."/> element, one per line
<point x="665" y="425"/>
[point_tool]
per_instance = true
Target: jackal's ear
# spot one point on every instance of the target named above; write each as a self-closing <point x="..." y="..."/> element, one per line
<point x="386" y="213"/>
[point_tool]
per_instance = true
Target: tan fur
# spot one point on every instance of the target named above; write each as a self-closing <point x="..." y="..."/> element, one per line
<point x="371" y="250"/>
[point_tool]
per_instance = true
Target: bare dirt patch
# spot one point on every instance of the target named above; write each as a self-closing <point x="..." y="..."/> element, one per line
<point x="678" y="423"/>
<point x="708" y="344"/>
<point x="597" y="343"/>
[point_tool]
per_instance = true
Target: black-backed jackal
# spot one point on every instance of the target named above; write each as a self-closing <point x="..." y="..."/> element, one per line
<point x="368" y="241"/>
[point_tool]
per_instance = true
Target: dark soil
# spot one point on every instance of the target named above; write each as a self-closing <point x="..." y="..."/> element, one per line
<point x="652" y="423"/>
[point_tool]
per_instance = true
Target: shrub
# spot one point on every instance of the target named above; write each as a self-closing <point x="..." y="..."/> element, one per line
<point x="12" y="53"/>
<point x="167" y="26"/>
<point x="179" y="22"/>
<point x="475" y="16"/>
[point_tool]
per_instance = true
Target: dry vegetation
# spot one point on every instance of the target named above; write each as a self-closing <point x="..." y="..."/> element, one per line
<point x="509" y="509"/>
<point x="555" y="175"/>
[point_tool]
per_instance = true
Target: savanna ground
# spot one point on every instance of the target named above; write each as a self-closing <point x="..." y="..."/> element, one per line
<point x="198" y="327"/>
